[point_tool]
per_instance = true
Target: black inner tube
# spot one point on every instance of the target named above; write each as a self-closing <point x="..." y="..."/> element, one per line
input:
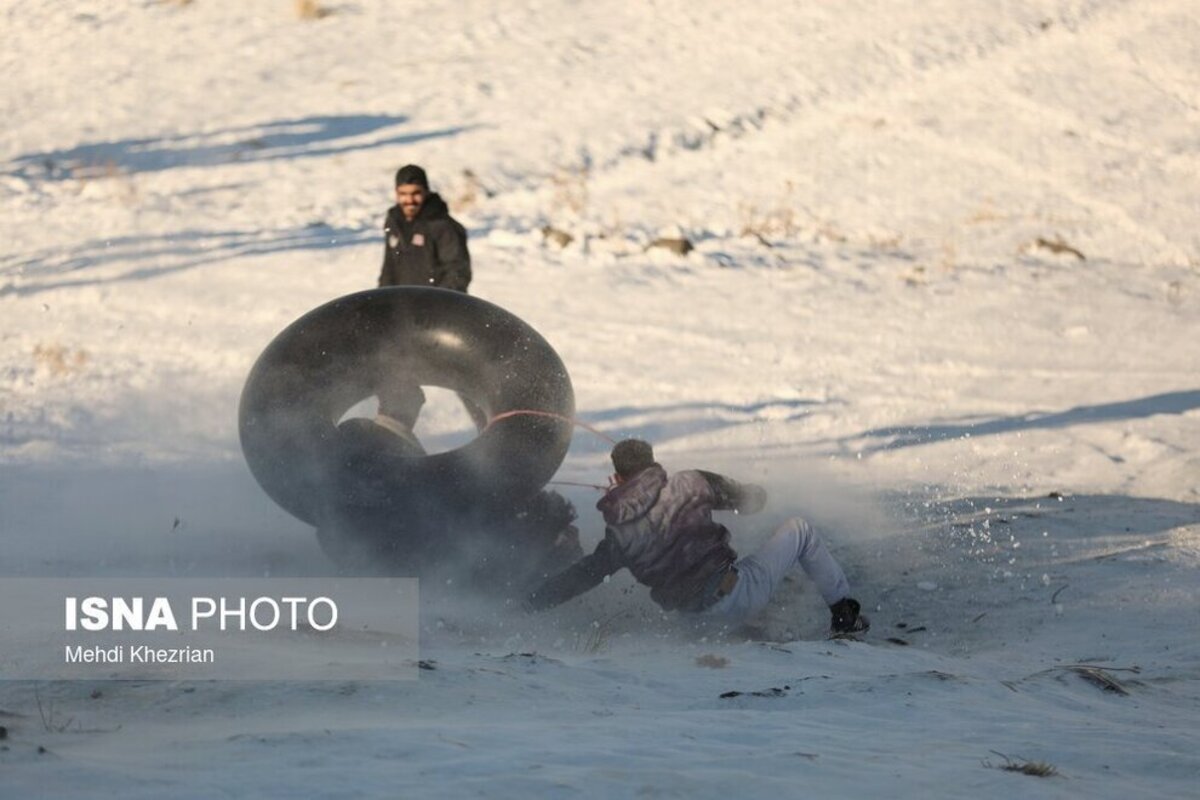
<point x="342" y="352"/>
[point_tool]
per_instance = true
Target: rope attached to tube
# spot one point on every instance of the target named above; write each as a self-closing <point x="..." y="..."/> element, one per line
<point x="526" y="412"/>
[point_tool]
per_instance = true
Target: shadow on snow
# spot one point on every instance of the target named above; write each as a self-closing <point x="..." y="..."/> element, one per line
<point x="903" y="436"/>
<point x="306" y="137"/>
<point x="186" y="249"/>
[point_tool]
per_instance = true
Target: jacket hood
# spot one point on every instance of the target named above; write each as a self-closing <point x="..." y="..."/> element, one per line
<point x="634" y="497"/>
<point x="434" y="207"/>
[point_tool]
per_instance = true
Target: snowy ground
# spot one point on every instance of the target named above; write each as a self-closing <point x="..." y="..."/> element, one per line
<point x="945" y="299"/>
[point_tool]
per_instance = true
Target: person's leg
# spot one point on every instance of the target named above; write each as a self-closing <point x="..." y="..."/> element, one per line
<point x="478" y="416"/>
<point x="401" y="400"/>
<point x="817" y="563"/>
<point x="761" y="573"/>
<point x="402" y="431"/>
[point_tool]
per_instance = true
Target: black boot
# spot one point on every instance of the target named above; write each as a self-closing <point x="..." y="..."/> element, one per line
<point x="846" y="618"/>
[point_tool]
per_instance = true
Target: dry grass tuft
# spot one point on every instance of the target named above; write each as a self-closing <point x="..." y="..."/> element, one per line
<point x="765" y="224"/>
<point x="1103" y="678"/>
<point x="470" y="191"/>
<point x="599" y="635"/>
<point x="1098" y="677"/>
<point x="1058" y="247"/>
<point x="556" y="236"/>
<point x="711" y="661"/>
<point x="50" y="720"/>
<point x="59" y="361"/>
<point x="678" y="246"/>
<point x="311" y="9"/>
<point x="571" y="189"/>
<point x="1038" y="769"/>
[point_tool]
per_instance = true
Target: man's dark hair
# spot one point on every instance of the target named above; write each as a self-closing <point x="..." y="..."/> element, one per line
<point x="411" y="173"/>
<point x="631" y="456"/>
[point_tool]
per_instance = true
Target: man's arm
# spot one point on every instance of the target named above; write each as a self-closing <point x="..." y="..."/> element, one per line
<point x="744" y="498"/>
<point x="584" y="574"/>
<point x="453" y="258"/>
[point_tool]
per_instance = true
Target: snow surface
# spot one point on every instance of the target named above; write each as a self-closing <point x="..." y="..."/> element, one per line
<point x="1000" y="440"/>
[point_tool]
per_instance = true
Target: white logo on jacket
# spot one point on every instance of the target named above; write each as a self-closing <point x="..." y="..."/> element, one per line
<point x="418" y="239"/>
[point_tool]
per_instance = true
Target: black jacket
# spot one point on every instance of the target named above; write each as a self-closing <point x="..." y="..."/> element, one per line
<point x="661" y="529"/>
<point x="429" y="251"/>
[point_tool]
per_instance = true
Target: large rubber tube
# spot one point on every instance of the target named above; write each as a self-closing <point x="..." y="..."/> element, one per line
<point x="338" y="354"/>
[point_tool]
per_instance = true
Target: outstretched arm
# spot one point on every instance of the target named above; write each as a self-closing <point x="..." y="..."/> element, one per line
<point x="584" y="574"/>
<point x="744" y="498"/>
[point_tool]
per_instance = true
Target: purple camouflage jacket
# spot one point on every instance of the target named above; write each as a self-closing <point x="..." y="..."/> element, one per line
<point x="661" y="529"/>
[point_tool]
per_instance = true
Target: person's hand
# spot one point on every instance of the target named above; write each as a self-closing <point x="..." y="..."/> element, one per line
<point x="754" y="499"/>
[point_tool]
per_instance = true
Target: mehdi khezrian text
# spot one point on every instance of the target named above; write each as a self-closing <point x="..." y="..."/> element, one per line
<point x="138" y="654"/>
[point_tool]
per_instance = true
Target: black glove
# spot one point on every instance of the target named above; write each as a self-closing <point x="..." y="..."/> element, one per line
<point x="846" y="618"/>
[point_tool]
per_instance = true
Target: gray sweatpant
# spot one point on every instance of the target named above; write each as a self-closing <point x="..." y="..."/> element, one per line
<point x="761" y="573"/>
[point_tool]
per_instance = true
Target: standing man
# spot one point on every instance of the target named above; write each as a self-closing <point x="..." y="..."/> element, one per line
<point x="424" y="246"/>
<point x="661" y="528"/>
